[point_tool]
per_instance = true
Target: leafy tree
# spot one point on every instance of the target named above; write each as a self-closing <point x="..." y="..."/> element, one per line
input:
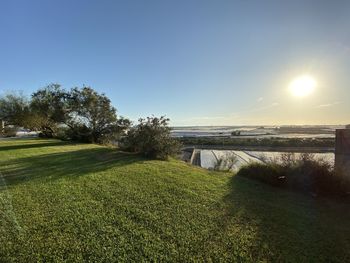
<point x="151" y="137"/>
<point x="92" y="117"/>
<point x="49" y="109"/>
<point x="78" y="114"/>
<point x="14" y="109"/>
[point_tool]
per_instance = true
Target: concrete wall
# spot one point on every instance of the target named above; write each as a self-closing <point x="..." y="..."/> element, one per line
<point x="342" y="150"/>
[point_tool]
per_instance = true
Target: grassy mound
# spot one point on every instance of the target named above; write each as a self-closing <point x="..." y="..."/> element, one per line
<point x="80" y="202"/>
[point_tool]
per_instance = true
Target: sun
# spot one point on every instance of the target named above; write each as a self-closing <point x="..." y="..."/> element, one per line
<point x="302" y="86"/>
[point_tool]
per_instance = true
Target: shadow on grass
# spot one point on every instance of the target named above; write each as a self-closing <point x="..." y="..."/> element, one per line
<point x="64" y="164"/>
<point x="37" y="144"/>
<point x="283" y="226"/>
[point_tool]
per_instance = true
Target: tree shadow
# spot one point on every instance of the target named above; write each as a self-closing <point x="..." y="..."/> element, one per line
<point x="64" y="164"/>
<point x="36" y="144"/>
<point x="283" y="226"/>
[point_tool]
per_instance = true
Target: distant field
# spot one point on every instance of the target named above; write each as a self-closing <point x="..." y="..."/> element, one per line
<point x="267" y="143"/>
<point x="79" y="202"/>
<point x="283" y="132"/>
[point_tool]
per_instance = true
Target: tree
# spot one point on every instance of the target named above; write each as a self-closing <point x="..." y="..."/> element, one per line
<point x="152" y="138"/>
<point x="92" y="117"/>
<point x="78" y="114"/>
<point x="14" y="109"/>
<point x="49" y="109"/>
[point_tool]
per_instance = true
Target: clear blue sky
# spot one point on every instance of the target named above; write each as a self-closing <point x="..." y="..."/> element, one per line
<point x="199" y="62"/>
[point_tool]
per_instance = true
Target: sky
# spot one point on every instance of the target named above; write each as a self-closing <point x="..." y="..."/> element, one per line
<point x="197" y="62"/>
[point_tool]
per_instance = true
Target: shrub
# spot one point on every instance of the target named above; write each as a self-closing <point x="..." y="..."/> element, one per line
<point x="79" y="133"/>
<point x="62" y="133"/>
<point x="267" y="173"/>
<point x="151" y="137"/>
<point x="304" y="173"/>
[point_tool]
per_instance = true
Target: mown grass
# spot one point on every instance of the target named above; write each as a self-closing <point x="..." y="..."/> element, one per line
<point x="80" y="202"/>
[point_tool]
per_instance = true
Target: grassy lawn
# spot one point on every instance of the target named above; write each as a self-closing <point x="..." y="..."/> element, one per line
<point x="80" y="202"/>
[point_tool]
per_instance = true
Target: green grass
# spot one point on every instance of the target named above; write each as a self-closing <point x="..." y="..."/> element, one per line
<point x="80" y="202"/>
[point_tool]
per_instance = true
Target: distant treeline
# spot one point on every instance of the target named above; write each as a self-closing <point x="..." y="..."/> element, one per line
<point x="265" y="142"/>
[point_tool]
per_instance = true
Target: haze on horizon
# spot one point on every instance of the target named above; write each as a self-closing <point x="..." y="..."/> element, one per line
<point x="198" y="62"/>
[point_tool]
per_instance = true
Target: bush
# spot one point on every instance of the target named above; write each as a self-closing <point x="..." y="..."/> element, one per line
<point x="79" y="133"/>
<point x="9" y="131"/>
<point x="304" y="174"/>
<point x="266" y="173"/>
<point x="151" y="137"/>
<point x="62" y="133"/>
<point x="46" y="133"/>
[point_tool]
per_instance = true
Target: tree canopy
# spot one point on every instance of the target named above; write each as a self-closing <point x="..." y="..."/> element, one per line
<point x="82" y="113"/>
<point x="14" y="109"/>
<point x="92" y="114"/>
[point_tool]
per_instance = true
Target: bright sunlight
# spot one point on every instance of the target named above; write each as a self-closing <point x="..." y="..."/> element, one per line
<point x="302" y="86"/>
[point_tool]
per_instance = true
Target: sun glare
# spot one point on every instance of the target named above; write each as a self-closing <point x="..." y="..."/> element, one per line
<point x="302" y="86"/>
